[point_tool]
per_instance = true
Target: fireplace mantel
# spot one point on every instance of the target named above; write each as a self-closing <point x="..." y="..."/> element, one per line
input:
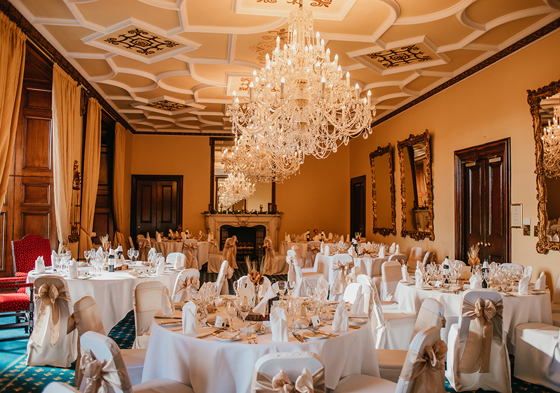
<point x="271" y="221"/>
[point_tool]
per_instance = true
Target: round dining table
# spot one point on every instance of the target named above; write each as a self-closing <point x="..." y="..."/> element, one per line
<point x="168" y="246"/>
<point x="210" y="365"/>
<point x="517" y="308"/>
<point x="368" y="265"/>
<point x="112" y="291"/>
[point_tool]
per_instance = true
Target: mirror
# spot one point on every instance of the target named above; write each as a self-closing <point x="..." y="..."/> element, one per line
<point x="383" y="191"/>
<point x="542" y="103"/>
<point x="264" y="193"/>
<point x="417" y="210"/>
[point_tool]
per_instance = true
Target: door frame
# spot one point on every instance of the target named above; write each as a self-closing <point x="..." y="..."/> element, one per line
<point x="136" y="178"/>
<point x="497" y="148"/>
<point x="354" y="180"/>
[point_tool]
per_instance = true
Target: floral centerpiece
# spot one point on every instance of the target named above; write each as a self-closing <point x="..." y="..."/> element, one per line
<point x="105" y="243"/>
<point x="474" y="260"/>
<point x="254" y="274"/>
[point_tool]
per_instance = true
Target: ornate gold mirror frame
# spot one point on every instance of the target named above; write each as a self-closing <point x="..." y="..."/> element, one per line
<point x="534" y="98"/>
<point x="428" y="232"/>
<point x="381" y="151"/>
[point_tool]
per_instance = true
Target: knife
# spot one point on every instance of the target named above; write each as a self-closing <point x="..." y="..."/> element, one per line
<point x="297" y="337"/>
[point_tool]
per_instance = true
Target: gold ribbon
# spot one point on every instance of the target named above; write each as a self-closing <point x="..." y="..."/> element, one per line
<point x="228" y="253"/>
<point x="99" y="375"/>
<point x="426" y="369"/>
<point x="269" y="254"/>
<point x="305" y="383"/>
<point x="339" y="283"/>
<point x="189" y="249"/>
<point x="476" y="356"/>
<point x="49" y="297"/>
<point x="290" y="260"/>
<point x="187" y="283"/>
<point x="314" y="250"/>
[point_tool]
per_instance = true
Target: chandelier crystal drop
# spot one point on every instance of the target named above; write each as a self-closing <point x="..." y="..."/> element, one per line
<point x="551" y="146"/>
<point x="301" y="102"/>
<point x="235" y="188"/>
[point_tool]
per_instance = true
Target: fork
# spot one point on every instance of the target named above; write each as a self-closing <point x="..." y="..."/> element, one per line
<point x="254" y="338"/>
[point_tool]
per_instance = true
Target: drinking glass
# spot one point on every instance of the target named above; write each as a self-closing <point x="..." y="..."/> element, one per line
<point x="293" y="308"/>
<point x="130" y="253"/>
<point x="231" y="310"/>
<point x="243" y="309"/>
<point x="291" y="285"/>
<point x="87" y="256"/>
<point x="282" y="291"/>
<point x="136" y="254"/>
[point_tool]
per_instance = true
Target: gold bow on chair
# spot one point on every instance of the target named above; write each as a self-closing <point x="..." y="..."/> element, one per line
<point x="305" y="383"/>
<point x="314" y="250"/>
<point x="228" y="253"/>
<point x="99" y="375"/>
<point x="189" y="250"/>
<point x="339" y="282"/>
<point x="49" y="313"/>
<point x="476" y="356"/>
<point x="427" y="369"/>
<point x="188" y="283"/>
<point x="269" y="254"/>
<point x="290" y="260"/>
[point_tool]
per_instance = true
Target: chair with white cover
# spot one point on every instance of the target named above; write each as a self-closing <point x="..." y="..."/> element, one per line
<point x="415" y="256"/>
<point x="229" y="252"/>
<point x="86" y="318"/>
<point x="214" y="262"/>
<point x="391" y="361"/>
<point x="177" y="259"/>
<point x="190" y="252"/>
<point x="273" y="264"/>
<point x="393" y="330"/>
<point x="59" y="387"/>
<point x="391" y="274"/>
<point x="398" y="257"/>
<point x="144" y="246"/>
<point x="313" y="248"/>
<point x="423" y="370"/>
<point x="222" y="285"/>
<point x="102" y="364"/>
<point x="386" y="306"/>
<point x="556" y="302"/>
<point x="478" y="355"/>
<point x="539" y="345"/>
<point x="49" y="344"/>
<point x="149" y="297"/>
<point x="304" y="280"/>
<point x="512" y="266"/>
<point x="341" y="266"/>
<point x="187" y="281"/>
<point x="287" y="372"/>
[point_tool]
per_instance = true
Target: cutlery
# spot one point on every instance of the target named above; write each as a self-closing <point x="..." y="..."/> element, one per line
<point x="297" y="337"/>
<point x="254" y="337"/>
<point x="163" y="317"/>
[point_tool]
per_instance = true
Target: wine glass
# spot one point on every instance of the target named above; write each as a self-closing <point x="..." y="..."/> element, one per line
<point x="292" y="309"/>
<point x="291" y="285"/>
<point x="130" y="253"/>
<point x="236" y="287"/>
<point x="231" y="311"/>
<point x="243" y="308"/>
<point x="136" y="254"/>
<point x="282" y="291"/>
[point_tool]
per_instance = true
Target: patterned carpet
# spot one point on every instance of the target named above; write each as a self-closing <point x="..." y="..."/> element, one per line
<point x="15" y="376"/>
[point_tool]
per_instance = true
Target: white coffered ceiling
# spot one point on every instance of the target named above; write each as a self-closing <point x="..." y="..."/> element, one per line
<point x="171" y="65"/>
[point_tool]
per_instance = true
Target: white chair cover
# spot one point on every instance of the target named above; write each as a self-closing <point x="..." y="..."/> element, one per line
<point x="190" y="252"/>
<point x="229" y="252"/>
<point x="313" y="248"/>
<point x="414" y="257"/>
<point x="304" y="281"/>
<point x="477" y="356"/>
<point x="49" y="344"/>
<point x="398" y="257"/>
<point x="59" y="387"/>
<point x="144" y="246"/>
<point x="556" y="296"/>
<point x="148" y="298"/>
<point x="390" y="276"/>
<point x="273" y="264"/>
<point x="177" y="259"/>
<point x="225" y="273"/>
<point x="539" y="346"/>
<point x="187" y="281"/>
<point x="289" y="372"/>
<point x="341" y="266"/>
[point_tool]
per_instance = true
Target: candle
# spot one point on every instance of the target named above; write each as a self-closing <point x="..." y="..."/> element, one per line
<point x="251" y="91"/>
<point x="233" y="98"/>
<point x="348" y="80"/>
<point x="323" y="83"/>
<point x="282" y="83"/>
<point x="369" y="98"/>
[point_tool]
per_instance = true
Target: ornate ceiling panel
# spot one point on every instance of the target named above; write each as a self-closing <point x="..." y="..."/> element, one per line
<point x="171" y="65"/>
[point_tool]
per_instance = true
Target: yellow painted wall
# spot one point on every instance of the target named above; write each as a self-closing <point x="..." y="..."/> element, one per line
<point x="488" y="106"/>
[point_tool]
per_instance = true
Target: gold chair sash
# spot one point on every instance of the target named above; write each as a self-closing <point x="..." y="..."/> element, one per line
<point x="305" y="383"/>
<point x="290" y="260"/>
<point x="339" y="282"/>
<point x="49" y="313"/>
<point x="229" y="253"/>
<point x="426" y="369"/>
<point x="189" y="249"/>
<point x="186" y="284"/>
<point x="99" y="375"/>
<point x="314" y="250"/>
<point x="476" y="356"/>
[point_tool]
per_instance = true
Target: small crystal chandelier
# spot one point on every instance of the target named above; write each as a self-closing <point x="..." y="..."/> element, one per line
<point x="301" y="103"/>
<point x="235" y="188"/>
<point x="551" y="146"/>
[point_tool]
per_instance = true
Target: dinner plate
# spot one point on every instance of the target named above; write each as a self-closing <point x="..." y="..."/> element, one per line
<point x="228" y="336"/>
<point x="229" y="297"/>
<point x="538" y="292"/>
<point x="357" y="321"/>
<point x="313" y="335"/>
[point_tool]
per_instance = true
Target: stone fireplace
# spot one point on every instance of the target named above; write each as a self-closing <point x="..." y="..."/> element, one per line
<point x="271" y="222"/>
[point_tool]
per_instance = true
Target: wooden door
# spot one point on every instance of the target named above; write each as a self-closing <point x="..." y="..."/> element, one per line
<point x="358" y="205"/>
<point x="482" y="195"/>
<point x="157" y="204"/>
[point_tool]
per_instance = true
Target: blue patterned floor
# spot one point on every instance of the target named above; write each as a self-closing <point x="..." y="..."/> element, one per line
<point x="15" y="376"/>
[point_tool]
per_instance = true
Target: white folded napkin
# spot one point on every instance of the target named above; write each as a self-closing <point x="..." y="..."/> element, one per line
<point x="100" y="253"/>
<point x="73" y="269"/>
<point x="556" y="238"/>
<point x="261" y="307"/>
<point x="524" y="285"/>
<point x="322" y="283"/>
<point x="392" y="248"/>
<point x="397" y="249"/>
<point x="357" y="308"/>
<point x="340" y="321"/>
<point x="476" y="281"/>
<point x="183" y="236"/>
<point x="316" y="238"/>
<point x="279" y="324"/>
<point x="352" y="252"/>
<point x="418" y="276"/>
<point x="289" y="238"/>
<point x="160" y="269"/>
<point x="170" y="233"/>
<point x="327" y="250"/>
<point x="158" y="237"/>
<point x="405" y="275"/>
<point x="341" y="238"/>
<point x="134" y="273"/>
<point x="540" y="284"/>
<point x="190" y="323"/>
<point x="381" y="251"/>
<point x="40" y="265"/>
<point x="322" y="248"/>
<point x="348" y="238"/>
<point x="178" y="263"/>
<point x="54" y="259"/>
<point x="330" y="236"/>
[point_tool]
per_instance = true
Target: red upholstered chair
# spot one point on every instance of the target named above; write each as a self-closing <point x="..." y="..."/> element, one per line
<point x="26" y="251"/>
<point x="16" y="304"/>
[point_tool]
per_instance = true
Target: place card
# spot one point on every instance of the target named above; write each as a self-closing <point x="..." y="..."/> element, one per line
<point x="316" y="321"/>
<point x="220" y="322"/>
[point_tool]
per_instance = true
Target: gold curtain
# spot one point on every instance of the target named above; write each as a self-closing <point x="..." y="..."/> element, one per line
<point x="90" y="177"/>
<point x="66" y="116"/>
<point x="12" y="60"/>
<point x="118" y="187"/>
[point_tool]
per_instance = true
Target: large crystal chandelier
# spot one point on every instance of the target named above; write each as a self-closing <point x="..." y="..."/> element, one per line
<point x="235" y="188"/>
<point x="551" y="146"/>
<point x="301" y="103"/>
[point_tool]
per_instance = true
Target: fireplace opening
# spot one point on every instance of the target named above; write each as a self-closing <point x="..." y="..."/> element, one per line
<point x="250" y="240"/>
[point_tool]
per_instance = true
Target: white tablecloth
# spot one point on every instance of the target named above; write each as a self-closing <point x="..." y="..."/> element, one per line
<point x="167" y="247"/>
<point x="209" y="365"/>
<point x="300" y="248"/>
<point x="202" y="250"/>
<point x="369" y="266"/>
<point x="517" y="309"/>
<point x="112" y="292"/>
